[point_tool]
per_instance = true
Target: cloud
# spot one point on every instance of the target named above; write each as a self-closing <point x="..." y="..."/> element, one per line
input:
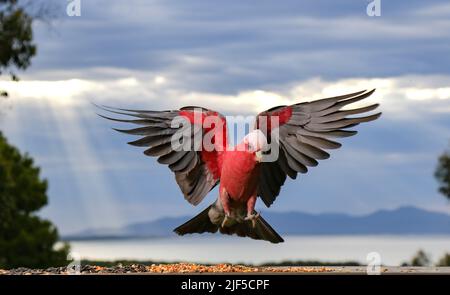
<point x="238" y="46"/>
<point x="402" y="97"/>
<point x="440" y="10"/>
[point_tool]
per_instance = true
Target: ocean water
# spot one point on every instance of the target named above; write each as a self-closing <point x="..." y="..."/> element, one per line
<point x="215" y="249"/>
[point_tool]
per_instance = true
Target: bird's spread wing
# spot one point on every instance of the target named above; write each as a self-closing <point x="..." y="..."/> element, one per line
<point x="197" y="170"/>
<point x="304" y="132"/>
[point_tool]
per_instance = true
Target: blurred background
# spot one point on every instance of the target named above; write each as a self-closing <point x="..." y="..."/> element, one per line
<point x="68" y="182"/>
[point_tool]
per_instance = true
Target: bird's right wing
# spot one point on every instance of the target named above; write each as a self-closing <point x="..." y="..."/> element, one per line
<point x="176" y="137"/>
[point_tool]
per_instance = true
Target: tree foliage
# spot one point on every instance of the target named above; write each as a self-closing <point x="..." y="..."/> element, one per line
<point x="442" y="174"/>
<point x="445" y="260"/>
<point x="16" y="39"/>
<point x="25" y="239"/>
<point x="421" y="259"/>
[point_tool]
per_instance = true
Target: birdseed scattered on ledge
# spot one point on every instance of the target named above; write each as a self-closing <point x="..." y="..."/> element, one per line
<point x="166" y="269"/>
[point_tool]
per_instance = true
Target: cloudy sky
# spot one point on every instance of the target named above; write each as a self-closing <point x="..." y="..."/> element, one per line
<point x="238" y="57"/>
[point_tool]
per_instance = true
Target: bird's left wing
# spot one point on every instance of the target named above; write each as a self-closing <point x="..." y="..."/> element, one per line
<point x="176" y="137"/>
<point x="303" y="133"/>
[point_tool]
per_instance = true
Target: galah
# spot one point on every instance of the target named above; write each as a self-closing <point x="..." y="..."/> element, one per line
<point x="297" y="134"/>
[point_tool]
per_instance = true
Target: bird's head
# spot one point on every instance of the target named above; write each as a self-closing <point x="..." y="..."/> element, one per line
<point x="256" y="142"/>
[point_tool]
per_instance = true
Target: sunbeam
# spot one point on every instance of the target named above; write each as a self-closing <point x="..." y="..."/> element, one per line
<point x="100" y="206"/>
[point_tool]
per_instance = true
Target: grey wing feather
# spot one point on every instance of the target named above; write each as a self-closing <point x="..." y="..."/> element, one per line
<point x="191" y="173"/>
<point x="304" y="138"/>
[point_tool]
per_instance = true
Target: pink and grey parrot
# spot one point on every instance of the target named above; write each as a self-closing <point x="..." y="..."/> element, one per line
<point x="303" y="133"/>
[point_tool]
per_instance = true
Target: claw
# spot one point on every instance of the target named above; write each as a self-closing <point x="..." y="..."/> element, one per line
<point x="226" y="219"/>
<point x="252" y="217"/>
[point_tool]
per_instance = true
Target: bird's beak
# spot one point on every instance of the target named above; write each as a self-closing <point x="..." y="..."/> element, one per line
<point x="258" y="156"/>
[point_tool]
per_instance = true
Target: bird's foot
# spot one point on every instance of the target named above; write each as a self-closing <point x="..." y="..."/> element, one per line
<point x="226" y="220"/>
<point x="252" y="217"/>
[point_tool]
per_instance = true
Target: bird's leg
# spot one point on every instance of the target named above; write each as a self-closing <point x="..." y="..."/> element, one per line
<point x="250" y="209"/>
<point x="225" y="200"/>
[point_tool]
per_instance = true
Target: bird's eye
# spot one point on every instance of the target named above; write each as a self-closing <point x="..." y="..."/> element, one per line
<point x="250" y="147"/>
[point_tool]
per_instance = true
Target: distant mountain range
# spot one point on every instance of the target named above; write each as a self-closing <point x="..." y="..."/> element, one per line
<point x="401" y="221"/>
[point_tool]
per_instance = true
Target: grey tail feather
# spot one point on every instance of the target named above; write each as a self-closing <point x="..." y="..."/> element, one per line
<point x="201" y="223"/>
<point x="261" y="231"/>
<point x="266" y="232"/>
